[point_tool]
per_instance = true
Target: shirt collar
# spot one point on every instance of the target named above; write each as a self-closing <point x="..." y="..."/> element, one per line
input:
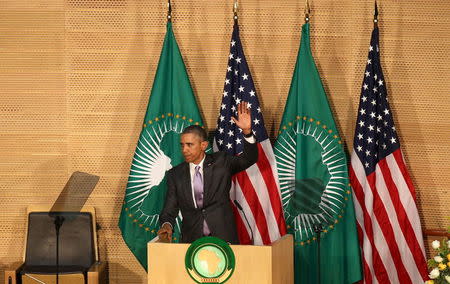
<point x="192" y="165"/>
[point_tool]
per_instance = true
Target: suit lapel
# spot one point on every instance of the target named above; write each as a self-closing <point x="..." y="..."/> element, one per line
<point x="187" y="184"/>
<point x="207" y="178"/>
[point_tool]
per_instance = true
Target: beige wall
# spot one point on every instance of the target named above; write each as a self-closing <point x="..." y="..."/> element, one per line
<point x="75" y="77"/>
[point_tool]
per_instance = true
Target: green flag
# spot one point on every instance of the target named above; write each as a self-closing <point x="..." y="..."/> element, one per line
<point x="171" y="108"/>
<point x="314" y="182"/>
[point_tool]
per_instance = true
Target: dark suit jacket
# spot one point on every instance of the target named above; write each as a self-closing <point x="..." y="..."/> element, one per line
<point x="218" y="169"/>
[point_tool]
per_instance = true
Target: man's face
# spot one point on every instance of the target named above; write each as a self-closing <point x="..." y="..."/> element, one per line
<point x="192" y="147"/>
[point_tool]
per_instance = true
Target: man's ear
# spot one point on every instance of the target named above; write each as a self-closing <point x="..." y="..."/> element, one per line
<point x="204" y="145"/>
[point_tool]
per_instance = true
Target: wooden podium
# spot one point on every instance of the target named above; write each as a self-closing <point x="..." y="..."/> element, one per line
<point x="273" y="264"/>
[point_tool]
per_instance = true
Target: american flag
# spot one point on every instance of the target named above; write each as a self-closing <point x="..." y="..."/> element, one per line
<point x="257" y="188"/>
<point x="388" y="222"/>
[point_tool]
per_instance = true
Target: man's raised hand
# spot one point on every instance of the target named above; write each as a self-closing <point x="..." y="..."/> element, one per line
<point x="244" y="120"/>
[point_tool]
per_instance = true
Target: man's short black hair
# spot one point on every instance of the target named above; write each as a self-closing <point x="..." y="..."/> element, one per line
<point x="196" y="129"/>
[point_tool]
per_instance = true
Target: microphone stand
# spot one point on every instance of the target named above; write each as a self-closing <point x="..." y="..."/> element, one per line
<point x="59" y="220"/>
<point x="71" y="199"/>
<point x="246" y="220"/>
<point x="318" y="229"/>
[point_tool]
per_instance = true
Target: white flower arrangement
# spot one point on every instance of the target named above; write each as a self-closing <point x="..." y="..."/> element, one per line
<point x="436" y="244"/>
<point x="440" y="263"/>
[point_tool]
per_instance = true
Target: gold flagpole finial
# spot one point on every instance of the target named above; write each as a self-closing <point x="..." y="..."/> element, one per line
<point x="307" y="11"/>
<point x="169" y="11"/>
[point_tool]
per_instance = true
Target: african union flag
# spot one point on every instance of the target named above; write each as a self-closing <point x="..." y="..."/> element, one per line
<point x="172" y="107"/>
<point x="315" y="189"/>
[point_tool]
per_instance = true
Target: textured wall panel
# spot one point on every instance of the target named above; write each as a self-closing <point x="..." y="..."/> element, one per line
<point x="75" y="79"/>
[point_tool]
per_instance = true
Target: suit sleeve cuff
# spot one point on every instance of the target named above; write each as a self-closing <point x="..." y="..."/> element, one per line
<point x="167" y="223"/>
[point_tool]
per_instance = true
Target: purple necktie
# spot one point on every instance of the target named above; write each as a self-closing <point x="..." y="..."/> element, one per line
<point x="198" y="193"/>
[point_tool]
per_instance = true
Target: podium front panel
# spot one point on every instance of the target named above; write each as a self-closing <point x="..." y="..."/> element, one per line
<point x="254" y="264"/>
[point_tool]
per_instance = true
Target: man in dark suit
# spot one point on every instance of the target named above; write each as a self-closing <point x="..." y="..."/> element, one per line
<point x="200" y="186"/>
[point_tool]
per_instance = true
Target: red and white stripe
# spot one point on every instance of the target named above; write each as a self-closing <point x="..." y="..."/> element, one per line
<point x="258" y="192"/>
<point x="388" y="222"/>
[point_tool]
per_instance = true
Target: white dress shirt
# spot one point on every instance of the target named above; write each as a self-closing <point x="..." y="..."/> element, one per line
<point x="192" y="172"/>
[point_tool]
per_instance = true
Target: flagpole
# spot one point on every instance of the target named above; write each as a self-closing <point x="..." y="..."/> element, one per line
<point x="235" y="9"/>
<point x="317" y="227"/>
<point x="169" y="11"/>
<point x="307" y="11"/>
<point x="375" y="15"/>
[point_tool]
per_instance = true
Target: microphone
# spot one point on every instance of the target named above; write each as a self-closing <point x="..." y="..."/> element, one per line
<point x="318" y="228"/>
<point x="246" y="220"/>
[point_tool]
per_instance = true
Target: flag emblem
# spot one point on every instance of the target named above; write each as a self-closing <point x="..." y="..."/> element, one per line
<point x="311" y="199"/>
<point x="149" y="167"/>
